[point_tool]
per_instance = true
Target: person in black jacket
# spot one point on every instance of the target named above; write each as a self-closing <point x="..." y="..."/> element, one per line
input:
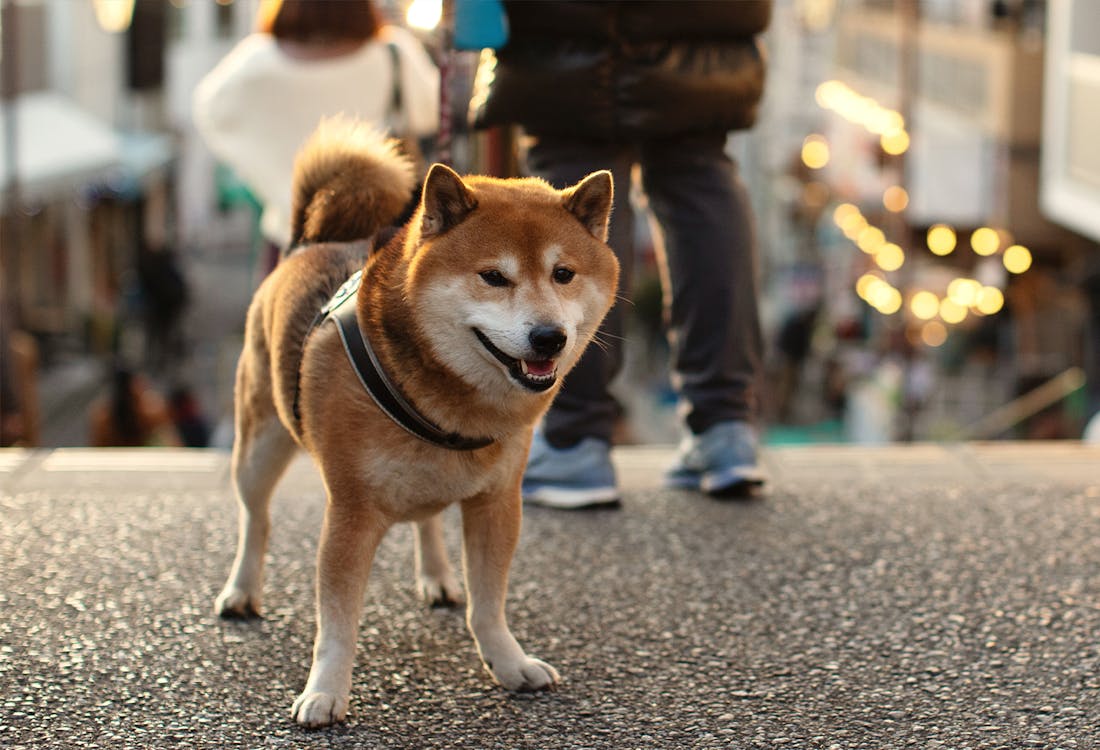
<point x="607" y="85"/>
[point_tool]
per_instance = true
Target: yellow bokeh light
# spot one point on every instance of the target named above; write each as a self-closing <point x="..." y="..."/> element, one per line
<point x="1017" y="259"/>
<point x="858" y="108"/>
<point x="815" y="152"/>
<point x="865" y="283"/>
<point x="114" y="15"/>
<point x="879" y="294"/>
<point x="941" y="239"/>
<point x="963" y="291"/>
<point x="843" y="212"/>
<point x="951" y="311"/>
<point x="424" y="14"/>
<point x="828" y="93"/>
<point x="853" y="225"/>
<point x="895" y="142"/>
<point x="895" y="199"/>
<point x="924" y="305"/>
<point x="933" y="333"/>
<point x="870" y="240"/>
<point x="886" y="123"/>
<point x="879" y="121"/>
<point x="990" y="300"/>
<point x="985" y="241"/>
<point x="887" y="299"/>
<point x="890" y="257"/>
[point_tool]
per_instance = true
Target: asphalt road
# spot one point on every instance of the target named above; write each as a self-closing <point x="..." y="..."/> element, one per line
<point x="924" y="597"/>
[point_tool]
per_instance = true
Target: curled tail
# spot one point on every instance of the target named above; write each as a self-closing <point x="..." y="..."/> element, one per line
<point x="349" y="182"/>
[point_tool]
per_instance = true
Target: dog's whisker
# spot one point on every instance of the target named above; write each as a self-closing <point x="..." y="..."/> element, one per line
<point x="603" y="339"/>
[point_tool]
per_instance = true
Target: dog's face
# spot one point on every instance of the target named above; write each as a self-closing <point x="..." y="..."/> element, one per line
<point x="510" y="278"/>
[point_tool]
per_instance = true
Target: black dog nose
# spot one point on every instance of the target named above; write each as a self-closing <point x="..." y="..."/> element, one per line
<point x="547" y="340"/>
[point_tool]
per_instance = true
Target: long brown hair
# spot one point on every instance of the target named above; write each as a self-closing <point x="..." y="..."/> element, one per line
<point x="319" y="20"/>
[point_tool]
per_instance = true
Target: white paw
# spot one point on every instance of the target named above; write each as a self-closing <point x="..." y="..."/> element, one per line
<point x="524" y="675"/>
<point x="442" y="591"/>
<point x="235" y="602"/>
<point x="313" y="709"/>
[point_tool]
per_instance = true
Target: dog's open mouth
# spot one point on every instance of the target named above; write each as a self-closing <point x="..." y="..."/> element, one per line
<point x="533" y="374"/>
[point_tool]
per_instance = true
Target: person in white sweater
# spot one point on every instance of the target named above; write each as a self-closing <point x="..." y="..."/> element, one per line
<point x="308" y="59"/>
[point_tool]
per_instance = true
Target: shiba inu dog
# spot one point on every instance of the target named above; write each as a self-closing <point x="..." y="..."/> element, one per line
<point x="462" y="325"/>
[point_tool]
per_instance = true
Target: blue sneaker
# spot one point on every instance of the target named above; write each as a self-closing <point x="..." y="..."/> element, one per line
<point x="720" y="462"/>
<point x="578" y="477"/>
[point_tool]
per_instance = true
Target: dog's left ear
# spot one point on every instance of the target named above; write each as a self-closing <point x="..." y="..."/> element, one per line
<point x="590" y="201"/>
<point x="446" y="200"/>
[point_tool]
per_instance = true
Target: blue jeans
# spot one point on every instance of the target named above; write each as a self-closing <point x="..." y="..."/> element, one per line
<point x="710" y="290"/>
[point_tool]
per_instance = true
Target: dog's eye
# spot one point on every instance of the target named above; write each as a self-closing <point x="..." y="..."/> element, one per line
<point x="564" y="275"/>
<point x="493" y="278"/>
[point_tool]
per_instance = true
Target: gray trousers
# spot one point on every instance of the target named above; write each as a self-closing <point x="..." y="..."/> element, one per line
<point x="710" y="288"/>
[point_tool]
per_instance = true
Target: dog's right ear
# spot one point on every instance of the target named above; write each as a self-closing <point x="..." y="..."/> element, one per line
<point x="590" y="201"/>
<point x="446" y="200"/>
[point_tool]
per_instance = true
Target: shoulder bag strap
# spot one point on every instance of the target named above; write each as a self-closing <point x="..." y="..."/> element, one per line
<point x="396" y="114"/>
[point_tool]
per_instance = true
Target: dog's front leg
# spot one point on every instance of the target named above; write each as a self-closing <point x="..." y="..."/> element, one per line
<point x="349" y="538"/>
<point x="490" y="527"/>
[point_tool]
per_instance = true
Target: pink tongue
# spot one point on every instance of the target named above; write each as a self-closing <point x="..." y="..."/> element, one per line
<point x="539" y="367"/>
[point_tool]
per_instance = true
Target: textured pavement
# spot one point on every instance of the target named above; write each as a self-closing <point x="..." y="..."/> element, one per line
<point x="923" y="596"/>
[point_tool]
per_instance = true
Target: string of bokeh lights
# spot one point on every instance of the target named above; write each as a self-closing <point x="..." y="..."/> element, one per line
<point x="964" y="296"/>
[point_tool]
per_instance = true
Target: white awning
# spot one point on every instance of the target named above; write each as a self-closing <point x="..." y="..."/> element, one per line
<point x="58" y="145"/>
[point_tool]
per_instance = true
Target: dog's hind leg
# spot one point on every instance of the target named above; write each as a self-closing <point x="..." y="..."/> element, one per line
<point x="490" y="528"/>
<point x="261" y="453"/>
<point x="434" y="575"/>
<point x="349" y="539"/>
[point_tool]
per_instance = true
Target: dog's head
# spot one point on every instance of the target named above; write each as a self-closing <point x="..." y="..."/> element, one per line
<point x="509" y="279"/>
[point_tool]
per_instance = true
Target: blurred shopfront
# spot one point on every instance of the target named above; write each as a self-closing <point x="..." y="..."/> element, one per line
<point x="86" y="177"/>
<point x="954" y="303"/>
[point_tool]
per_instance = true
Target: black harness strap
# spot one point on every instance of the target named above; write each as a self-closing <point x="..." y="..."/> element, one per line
<point x="341" y="310"/>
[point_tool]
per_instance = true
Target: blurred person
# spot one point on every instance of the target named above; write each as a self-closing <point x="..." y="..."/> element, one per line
<point x="11" y="411"/>
<point x="611" y="85"/>
<point x="307" y="59"/>
<point x="19" y="422"/>
<point x="130" y="414"/>
<point x="11" y="405"/>
<point x="165" y="295"/>
<point x="187" y="416"/>
<point x="794" y="343"/>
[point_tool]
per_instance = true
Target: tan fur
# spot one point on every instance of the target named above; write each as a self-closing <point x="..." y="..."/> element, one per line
<point x="423" y="295"/>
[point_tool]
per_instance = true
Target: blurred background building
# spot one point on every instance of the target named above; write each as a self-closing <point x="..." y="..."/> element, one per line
<point x="925" y="175"/>
<point x="931" y="276"/>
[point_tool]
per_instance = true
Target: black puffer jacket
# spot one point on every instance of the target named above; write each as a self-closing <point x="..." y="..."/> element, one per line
<point x="608" y="70"/>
